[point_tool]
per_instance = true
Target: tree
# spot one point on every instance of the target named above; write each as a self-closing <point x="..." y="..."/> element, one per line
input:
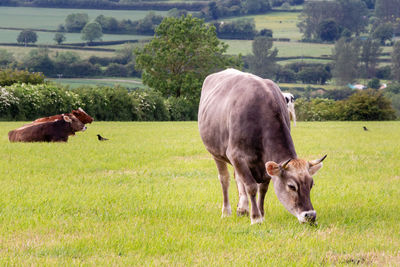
<point x="92" y="31"/>
<point x="396" y="61"/>
<point x="256" y="6"/>
<point x="328" y="30"/>
<point x="38" y="60"/>
<point x="108" y="24"/>
<point x="346" y="60"/>
<point x="27" y="36"/>
<point x="181" y="54"/>
<point x="370" y="51"/>
<point x="387" y="10"/>
<point x="375" y="83"/>
<point x="6" y="58"/>
<point x="263" y="61"/>
<point x="59" y="37"/>
<point x="383" y="32"/>
<point x="76" y="21"/>
<point x="348" y="14"/>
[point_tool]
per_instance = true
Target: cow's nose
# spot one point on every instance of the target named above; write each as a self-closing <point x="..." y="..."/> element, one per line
<point x="308" y="216"/>
<point x="84" y="128"/>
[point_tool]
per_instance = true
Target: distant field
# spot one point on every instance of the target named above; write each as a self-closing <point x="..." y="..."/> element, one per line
<point x="50" y="18"/>
<point x="283" y="24"/>
<point x="123" y="81"/>
<point x="10" y="36"/>
<point x="286" y="49"/>
<point x="150" y="196"/>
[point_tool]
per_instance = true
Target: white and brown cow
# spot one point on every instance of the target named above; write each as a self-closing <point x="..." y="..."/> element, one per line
<point x="289" y="98"/>
<point x="243" y="121"/>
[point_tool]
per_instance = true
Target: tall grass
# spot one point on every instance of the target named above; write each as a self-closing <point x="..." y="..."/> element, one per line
<point x="150" y="196"/>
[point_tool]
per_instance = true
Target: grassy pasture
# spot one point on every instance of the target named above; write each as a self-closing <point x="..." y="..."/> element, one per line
<point x="123" y="81"/>
<point x="283" y="24"/>
<point x="50" y="18"/>
<point x="150" y="196"/>
<point x="286" y="49"/>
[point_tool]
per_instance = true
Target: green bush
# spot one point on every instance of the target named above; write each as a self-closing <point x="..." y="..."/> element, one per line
<point x="29" y="101"/>
<point x="9" y="77"/>
<point x="181" y="109"/>
<point x="365" y="105"/>
<point x="151" y="105"/>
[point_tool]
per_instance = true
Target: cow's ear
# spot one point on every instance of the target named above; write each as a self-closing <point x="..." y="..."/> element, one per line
<point x="273" y="168"/>
<point x="315" y="165"/>
<point x="67" y="119"/>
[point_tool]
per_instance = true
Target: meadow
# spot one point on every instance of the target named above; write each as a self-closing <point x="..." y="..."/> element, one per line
<point x="150" y="196"/>
<point x="50" y="18"/>
<point x="129" y="83"/>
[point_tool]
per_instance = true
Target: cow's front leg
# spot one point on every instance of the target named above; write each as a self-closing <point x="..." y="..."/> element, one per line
<point x="243" y="173"/>
<point x="223" y="176"/>
<point x="262" y="191"/>
<point x="243" y="204"/>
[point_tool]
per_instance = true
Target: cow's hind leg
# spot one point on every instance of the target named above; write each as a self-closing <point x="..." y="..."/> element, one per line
<point x="223" y="175"/>
<point x="243" y="204"/>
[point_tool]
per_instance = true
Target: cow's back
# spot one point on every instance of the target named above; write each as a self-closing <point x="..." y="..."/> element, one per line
<point x="243" y="114"/>
<point x="41" y="132"/>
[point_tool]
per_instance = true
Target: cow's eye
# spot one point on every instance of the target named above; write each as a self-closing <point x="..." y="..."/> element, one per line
<point x="292" y="187"/>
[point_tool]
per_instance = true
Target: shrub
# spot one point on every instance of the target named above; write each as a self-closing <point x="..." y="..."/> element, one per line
<point x="317" y="109"/>
<point x="40" y="100"/>
<point x="9" y="77"/>
<point x="151" y="105"/>
<point x="369" y="105"/>
<point x="116" y="70"/>
<point x="181" y="109"/>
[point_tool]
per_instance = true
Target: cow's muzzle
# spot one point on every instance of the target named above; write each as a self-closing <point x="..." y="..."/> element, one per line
<point x="84" y="128"/>
<point x="307" y="216"/>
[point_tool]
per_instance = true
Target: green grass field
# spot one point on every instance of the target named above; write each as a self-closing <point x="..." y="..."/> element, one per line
<point x="129" y="83"/>
<point x="150" y="196"/>
<point x="286" y="49"/>
<point x="50" y="18"/>
<point x="283" y="24"/>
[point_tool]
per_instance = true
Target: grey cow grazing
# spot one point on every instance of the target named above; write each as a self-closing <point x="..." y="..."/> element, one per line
<point x="243" y="121"/>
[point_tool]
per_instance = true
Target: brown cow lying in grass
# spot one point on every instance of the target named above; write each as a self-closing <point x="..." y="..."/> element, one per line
<point x="80" y="114"/>
<point x="48" y="131"/>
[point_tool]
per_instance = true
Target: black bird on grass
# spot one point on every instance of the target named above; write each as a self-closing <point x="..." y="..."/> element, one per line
<point x="101" y="138"/>
<point x="365" y="128"/>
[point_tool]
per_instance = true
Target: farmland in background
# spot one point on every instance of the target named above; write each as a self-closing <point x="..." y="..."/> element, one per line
<point x="46" y="38"/>
<point x="50" y="18"/>
<point x="150" y="196"/>
<point x="129" y="83"/>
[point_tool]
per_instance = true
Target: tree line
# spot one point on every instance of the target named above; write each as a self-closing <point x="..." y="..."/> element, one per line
<point x="70" y="64"/>
<point x="331" y="20"/>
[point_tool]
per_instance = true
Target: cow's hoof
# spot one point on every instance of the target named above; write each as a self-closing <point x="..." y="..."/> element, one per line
<point x="226" y="212"/>
<point x="258" y="220"/>
<point x="242" y="212"/>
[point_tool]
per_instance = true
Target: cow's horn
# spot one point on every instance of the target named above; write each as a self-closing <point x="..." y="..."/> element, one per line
<point x="315" y="162"/>
<point x="284" y="165"/>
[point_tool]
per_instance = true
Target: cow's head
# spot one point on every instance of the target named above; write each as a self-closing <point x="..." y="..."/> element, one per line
<point x="293" y="182"/>
<point x="82" y="116"/>
<point x="75" y="124"/>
